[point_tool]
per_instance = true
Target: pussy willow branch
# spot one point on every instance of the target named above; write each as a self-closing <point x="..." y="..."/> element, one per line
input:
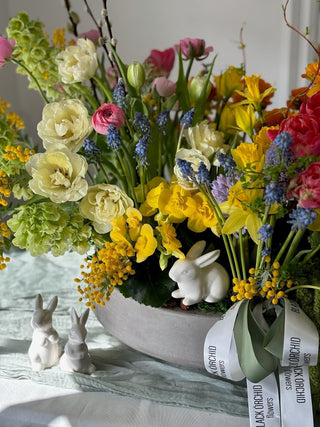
<point x="107" y="21"/>
<point x="73" y="23"/>
<point x="243" y="48"/>
<point x="99" y="27"/>
<point x="317" y="51"/>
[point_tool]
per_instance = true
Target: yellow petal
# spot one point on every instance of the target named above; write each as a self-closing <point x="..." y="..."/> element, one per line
<point x="253" y="224"/>
<point x="235" y="221"/>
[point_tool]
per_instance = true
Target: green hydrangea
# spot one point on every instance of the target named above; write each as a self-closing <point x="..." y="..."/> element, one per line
<point x="33" y="49"/>
<point x="46" y="226"/>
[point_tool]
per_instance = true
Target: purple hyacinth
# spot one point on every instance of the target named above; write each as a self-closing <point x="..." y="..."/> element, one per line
<point x="203" y="175"/>
<point x="279" y="151"/>
<point x="119" y="95"/>
<point x="142" y="123"/>
<point x="92" y="152"/>
<point x="301" y="218"/>
<point x="187" y="119"/>
<point x="186" y="170"/>
<point x="162" y="121"/>
<point x="113" y="138"/>
<point x="220" y="188"/>
<point x="265" y="232"/>
<point x="141" y="150"/>
<point x="274" y="193"/>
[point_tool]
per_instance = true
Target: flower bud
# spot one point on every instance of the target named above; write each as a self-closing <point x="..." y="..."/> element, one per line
<point x="196" y="86"/>
<point x="136" y="75"/>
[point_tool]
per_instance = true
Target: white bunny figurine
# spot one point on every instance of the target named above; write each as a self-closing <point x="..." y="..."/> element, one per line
<point x="76" y="357"/>
<point x="44" y="350"/>
<point x="199" y="277"/>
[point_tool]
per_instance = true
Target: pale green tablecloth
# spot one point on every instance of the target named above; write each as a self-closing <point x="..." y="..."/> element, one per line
<point x="120" y="369"/>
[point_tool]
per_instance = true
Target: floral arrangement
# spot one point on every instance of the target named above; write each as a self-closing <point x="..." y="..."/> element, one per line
<point x="135" y="168"/>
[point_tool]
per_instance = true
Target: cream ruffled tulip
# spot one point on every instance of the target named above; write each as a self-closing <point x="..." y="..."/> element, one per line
<point x="64" y="124"/>
<point x="206" y="139"/>
<point x="78" y="63"/>
<point x="58" y="175"/>
<point x="104" y="203"/>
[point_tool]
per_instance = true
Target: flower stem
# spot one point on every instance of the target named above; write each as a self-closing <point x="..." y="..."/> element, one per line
<point x="102" y="87"/>
<point x="284" y="246"/>
<point x="127" y="175"/>
<point x="33" y="78"/>
<point x="293" y="246"/>
<point x="86" y="93"/>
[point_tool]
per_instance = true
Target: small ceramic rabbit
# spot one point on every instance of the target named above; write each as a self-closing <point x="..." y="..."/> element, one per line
<point x="199" y="277"/>
<point x="76" y="357"/>
<point x="44" y="350"/>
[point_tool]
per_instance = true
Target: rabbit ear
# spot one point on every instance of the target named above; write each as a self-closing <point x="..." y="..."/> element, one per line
<point x="74" y="316"/>
<point x="39" y="302"/>
<point x="208" y="258"/>
<point x="84" y="317"/>
<point x="196" y="250"/>
<point x="53" y="304"/>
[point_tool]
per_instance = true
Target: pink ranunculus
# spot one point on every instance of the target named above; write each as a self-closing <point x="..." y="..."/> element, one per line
<point x="305" y="131"/>
<point x="194" y="48"/>
<point x="164" y="87"/>
<point x="306" y="187"/>
<point x="161" y="62"/>
<point x="92" y="35"/>
<point x="6" y="48"/>
<point x="106" y="115"/>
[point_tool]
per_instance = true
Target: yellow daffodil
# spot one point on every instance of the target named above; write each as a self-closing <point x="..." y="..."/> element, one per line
<point x="249" y="155"/>
<point x="134" y="219"/>
<point x="176" y="202"/>
<point x="151" y="204"/>
<point x="228" y="82"/>
<point x="170" y="241"/>
<point x="203" y="215"/>
<point x="148" y="186"/>
<point x="239" y="211"/>
<point x="245" y="119"/>
<point x="262" y="139"/>
<point x="252" y="93"/>
<point x="146" y="243"/>
<point x="227" y="122"/>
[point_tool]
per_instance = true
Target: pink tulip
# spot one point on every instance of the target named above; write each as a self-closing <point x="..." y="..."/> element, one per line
<point x="6" y="48"/>
<point x="106" y="115"/>
<point x="164" y="87"/>
<point x="194" y="48"/>
<point x="161" y="62"/>
<point x="92" y="35"/>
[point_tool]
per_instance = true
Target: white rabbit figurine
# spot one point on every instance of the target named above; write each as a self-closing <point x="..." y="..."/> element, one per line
<point x="199" y="277"/>
<point x="44" y="351"/>
<point x="76" y="357"/>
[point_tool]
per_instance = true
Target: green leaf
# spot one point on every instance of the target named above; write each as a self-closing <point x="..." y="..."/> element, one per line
<point x="256" y="362"/>
<point x="123" y="71"/>
<point x="150" y="285"/>
<point x="202" y="101"/>
<point x="182" y="92"/>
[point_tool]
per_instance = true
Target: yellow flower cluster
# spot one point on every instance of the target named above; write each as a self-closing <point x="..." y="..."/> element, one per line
<point x="272" y="289"/>
<point x="109" y="267"/>
<point x="58" y="37"/>
<point x="4" y="188"/>
<point x="20" y="153"/>
<point x="15" y="121"/>
<point x="4" y="232"/>
<point x="3" y="106"/>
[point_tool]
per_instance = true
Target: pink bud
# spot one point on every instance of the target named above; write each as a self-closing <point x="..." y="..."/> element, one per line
<point x="6" y="48"/>
<point x="193" y="48"/>
<point x="164" y="87"/>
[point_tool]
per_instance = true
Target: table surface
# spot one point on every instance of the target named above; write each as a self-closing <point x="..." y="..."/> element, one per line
<point x="127" y="389"/>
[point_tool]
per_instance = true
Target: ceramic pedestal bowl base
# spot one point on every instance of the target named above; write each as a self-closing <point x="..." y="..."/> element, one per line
<point x="169" y="334"/>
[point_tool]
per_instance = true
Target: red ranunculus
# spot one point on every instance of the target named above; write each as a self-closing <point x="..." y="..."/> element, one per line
<point x="6" y="48"/>
<point x="193" y="48"/>
<point x="312" y="106"/>
<point x="106" y="115"/>
<point x="161" y="62"/>
<point x="306" y="187"/>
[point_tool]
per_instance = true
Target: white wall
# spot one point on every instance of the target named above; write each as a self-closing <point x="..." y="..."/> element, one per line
<point x="272" y="49"/>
